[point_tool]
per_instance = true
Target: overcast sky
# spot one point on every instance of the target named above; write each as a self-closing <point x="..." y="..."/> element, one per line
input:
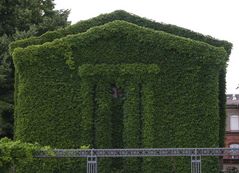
<point x="217" y="18"/>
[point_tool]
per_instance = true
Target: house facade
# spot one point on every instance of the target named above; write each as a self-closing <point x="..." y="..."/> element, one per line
<point x="232" y="132"/>
<point x="66" y="92"/>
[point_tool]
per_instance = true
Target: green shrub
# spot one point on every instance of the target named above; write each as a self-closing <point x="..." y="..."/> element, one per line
<point x="13" y="153"/>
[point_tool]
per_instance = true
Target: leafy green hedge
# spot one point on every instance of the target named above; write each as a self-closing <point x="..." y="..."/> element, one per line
<point x="13" y="153"/>
<point x="64" y="94"/>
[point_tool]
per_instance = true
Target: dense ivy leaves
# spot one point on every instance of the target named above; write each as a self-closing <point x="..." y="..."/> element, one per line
<point x="119" y="85"/>
<point x="83" y="26"/>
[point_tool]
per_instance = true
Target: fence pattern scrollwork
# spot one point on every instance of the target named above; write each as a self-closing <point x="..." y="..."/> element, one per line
<point x="93" y="154"/>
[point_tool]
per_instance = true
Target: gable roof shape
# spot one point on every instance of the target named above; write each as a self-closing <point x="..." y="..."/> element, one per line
<point x="84" y="25"/>
<point x="169" y="42"/>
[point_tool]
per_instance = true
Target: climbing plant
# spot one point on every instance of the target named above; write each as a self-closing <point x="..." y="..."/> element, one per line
<point x="65" y="93"/>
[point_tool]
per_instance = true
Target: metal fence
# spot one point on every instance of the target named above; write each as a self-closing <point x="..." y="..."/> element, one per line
<point x="92" y="154"/>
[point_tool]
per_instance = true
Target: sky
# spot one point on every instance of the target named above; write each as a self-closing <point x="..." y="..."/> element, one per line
<point x="217" y="18"/>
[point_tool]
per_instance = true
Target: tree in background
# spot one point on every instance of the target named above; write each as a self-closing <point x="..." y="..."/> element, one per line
<point x="21" y="19"/>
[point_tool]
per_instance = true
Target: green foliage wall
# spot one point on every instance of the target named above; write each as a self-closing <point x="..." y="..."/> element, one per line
<point x="64" y="97"/>
<point x="83" y="26"/>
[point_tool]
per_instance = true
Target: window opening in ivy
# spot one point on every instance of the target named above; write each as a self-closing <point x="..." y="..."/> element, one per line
<point x="116" y="91"/>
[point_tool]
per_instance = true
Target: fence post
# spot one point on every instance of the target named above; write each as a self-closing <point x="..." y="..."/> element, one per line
<point x="91" y="163"/>
<point x="196" y="163"/>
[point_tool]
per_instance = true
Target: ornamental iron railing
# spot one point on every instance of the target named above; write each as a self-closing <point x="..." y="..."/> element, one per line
<point x="93" y="154"/>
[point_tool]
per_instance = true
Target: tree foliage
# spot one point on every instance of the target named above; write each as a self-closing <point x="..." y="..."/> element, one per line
<point x="21" y="19"/>
<point x="20" y="15"/>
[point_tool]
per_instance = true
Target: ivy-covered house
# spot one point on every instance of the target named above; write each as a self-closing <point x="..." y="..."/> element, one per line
<point x="121" y="81"/>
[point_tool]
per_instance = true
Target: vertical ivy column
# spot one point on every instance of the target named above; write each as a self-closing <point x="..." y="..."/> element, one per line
<point x="149" y="113"/>
<point x="222" y="105"/>
<point x="132" y="124"/>
<point x="103" y="100"/>
<point x="87" y="112"/>
<point x="87" y="94"/>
